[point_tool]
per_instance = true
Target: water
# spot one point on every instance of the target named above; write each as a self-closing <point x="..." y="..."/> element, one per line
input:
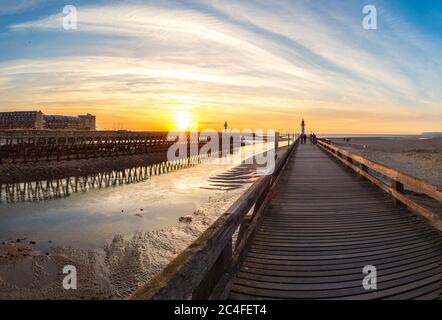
<point x="90" y="219"/>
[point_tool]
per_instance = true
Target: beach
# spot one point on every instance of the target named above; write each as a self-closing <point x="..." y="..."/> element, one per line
<point x="31" y="269"/>
<point x="111" y="272"/>
<point x="116" y="269"/>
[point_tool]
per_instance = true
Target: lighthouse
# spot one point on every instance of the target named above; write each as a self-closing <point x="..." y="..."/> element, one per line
<point x="303" y="127"/>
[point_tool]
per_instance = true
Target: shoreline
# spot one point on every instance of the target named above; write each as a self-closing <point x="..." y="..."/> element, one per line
<point x="113" y="271"/>
<point x="116" y="269"/>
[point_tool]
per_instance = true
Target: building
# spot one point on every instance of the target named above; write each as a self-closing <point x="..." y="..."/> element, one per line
<point x="21" y="120"/>
<point x="54" y="122"/>
<point x="82" y="122"/>
<point x="88" y="122"/>
<point x="36" y="120"/>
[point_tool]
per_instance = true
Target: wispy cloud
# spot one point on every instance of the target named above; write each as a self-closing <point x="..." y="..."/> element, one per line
<point x="245" y="57"/>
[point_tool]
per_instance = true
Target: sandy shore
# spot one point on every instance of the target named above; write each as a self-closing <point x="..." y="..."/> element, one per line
<point x="421" y="158"/>
<point x="113" y="271"/>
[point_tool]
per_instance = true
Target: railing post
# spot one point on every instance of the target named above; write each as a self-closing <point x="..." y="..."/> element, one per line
<point x="231" y="144"/>
<point x="222" y="266"/>
<point x="276" y="144"/>
<point x="365" y="169"/>
<point x="188" y="144"/>
<point x="399" y="187"/>
<point x="221" y="136"/>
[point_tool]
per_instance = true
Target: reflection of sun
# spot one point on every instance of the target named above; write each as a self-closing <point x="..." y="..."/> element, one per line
<point x="183" y="120"/>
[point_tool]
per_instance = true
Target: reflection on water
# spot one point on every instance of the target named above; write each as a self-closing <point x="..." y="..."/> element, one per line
<point x="64" y="187"/>
<point x="122" y="202"/>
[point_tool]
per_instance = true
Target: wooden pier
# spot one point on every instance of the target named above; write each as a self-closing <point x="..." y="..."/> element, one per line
<point x="22" y="146"/>
<point x="320" y="230"/>
<point x="308" y="231"/>
<point x="51" y="145"/>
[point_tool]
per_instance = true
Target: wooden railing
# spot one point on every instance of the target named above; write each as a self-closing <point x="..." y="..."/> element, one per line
<point x="398" y="180"/>
<point x="206" y="269"/>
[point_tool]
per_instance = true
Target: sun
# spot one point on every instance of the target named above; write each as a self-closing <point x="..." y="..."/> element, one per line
<point x="183" y="120"/>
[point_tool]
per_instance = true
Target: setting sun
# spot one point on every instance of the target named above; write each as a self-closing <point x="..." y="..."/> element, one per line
<point x="184" y="120"/>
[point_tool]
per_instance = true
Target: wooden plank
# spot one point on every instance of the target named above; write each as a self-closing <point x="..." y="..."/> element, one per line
<point x="314" y="240"/>
<point x="434" y="218"/>
<point x="396" y="175"/>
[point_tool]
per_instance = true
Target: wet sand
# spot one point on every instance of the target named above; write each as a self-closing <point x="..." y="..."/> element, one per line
<point x="115" y="270"/>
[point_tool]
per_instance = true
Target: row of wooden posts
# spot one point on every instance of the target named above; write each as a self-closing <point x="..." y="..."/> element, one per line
<point x="19" y="148"/>
<point x="42" y="190"/>
<point x="62" y="187"/>
<point x="35" y="146"/>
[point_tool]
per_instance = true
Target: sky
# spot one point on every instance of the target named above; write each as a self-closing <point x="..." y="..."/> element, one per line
<point x="160" y="65"/>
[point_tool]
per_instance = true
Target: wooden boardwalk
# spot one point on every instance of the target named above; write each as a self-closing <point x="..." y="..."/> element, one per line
<point x="323" y="225"/>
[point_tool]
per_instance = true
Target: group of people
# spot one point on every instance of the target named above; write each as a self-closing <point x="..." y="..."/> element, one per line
<point x="313" y="139"/>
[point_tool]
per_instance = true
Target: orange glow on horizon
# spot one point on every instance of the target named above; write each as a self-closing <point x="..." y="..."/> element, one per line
<point x="188" y="115"/>
<point x="183" y="120"/>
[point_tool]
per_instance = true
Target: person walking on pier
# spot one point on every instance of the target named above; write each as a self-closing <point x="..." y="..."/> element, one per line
<point x="314" y="140"/>
<point x="303" y="138"/>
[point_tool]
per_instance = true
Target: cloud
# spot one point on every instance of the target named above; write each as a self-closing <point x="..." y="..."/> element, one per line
<point x="240" y="56"/>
